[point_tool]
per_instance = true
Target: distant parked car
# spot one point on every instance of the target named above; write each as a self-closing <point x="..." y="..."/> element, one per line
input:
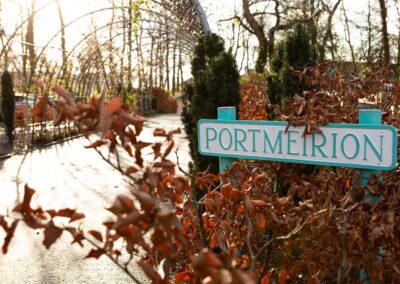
<point x="21" y="98"/>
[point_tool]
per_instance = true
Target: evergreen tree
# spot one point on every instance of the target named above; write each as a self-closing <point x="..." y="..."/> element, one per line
<point x="8" y="104"/>
<point x="294" y="52"/>
<point x="215" y="84"/>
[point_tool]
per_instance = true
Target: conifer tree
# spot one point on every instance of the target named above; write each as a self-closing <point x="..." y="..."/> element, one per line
<point x="8" y="104"/>
<point x="215" y="84"/>
<point x="294" y="52"/>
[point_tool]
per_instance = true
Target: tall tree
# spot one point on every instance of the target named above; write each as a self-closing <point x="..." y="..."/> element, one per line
<point x="385" y="36"/>
<point x="63" y="37"/>
<point x="30" y="37"/>
<point x="347" y="36"/>
<point x="284" y="20"/>
<point x="257" y="29"/>
<point x="328" y="33"/>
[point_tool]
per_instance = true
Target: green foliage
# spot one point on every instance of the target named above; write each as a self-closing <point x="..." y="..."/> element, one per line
<point x="8" y="104"/>
<point x="136" y="16"/>
<point x="215" y="84"/>
<point x="293" y="53"/>
<point x="128" y="96"/>
<point x="253" y="78"/>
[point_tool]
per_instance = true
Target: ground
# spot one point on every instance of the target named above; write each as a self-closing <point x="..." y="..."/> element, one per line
<point x="68" y="175"/>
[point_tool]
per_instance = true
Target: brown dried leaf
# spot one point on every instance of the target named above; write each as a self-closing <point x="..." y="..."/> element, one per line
<point x="51" y="234"/>
<point x="10" y="233"/>
<point x="147" y="201"/>
<point x="96" y="144"/>
<point x="25" y="206"/>
<point x="95" y="253"/>
<point x="96" y="234"/>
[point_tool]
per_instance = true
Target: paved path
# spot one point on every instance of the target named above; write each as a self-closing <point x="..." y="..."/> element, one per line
<point x="5" y="147"/>
<point x="67" y="175"/>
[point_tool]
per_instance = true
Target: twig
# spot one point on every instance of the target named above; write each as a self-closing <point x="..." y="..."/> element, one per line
<point x="253" y="257"/>
<point x="215" y="228"/>
<point x="179" y="166"/>
<point x="114" y="166"/>
<point x="291" y="234"/>
<point x="215" y="189"/>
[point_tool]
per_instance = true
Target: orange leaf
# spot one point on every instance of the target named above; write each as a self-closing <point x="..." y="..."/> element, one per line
<point x="265" y="280"/>
<point x="131" y="170"/>
<point x="183" y="277"/>
<point x="312" y="280"/>
<point x="282" y="276"/>
<point x="261" y="221"/>
<point x="114" y="104"/>
<point x="39" y="111"/>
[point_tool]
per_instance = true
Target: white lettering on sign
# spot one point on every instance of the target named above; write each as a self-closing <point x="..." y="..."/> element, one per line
<point x="347" y="145"/>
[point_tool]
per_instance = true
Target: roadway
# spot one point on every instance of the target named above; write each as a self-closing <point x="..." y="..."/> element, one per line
<point x="68" y="175"/>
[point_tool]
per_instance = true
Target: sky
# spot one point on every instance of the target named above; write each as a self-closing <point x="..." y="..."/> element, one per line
<point x="47" y="22"/>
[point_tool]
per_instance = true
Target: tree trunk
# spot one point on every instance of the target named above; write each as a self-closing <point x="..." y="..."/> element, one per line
<point x="63" y="48"/>
<point x="130" y="48"/>
<point x="312" y="26"/>
<point x="173" y="68"/>
<point x="30" y="38"/>
<point x="167" y="59"/>
<point x="124" y="42"/>
<point x="348" y="38"/>
<point x="151" y="83"/>
<point x="385" y="36"/>
<point x="369" y="52"/>
<point x="328" y="34"/>
<point x="258" y="31"/>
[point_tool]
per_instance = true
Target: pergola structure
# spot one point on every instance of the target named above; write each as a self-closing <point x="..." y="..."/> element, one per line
<point x="127" y="44"/>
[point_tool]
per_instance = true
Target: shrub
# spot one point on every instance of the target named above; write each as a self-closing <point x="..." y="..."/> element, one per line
<point x="320" y="231"/>
<point x="215" y="84"/>
<point x="8" y="104"/>
<point x="294" y="52"/>
<point x="253" y="99"/>
<point x="128" y="96"/>
<point x="165" y="103"/>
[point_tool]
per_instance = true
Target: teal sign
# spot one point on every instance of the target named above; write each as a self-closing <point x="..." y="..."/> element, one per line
<point x="347" y="145"/>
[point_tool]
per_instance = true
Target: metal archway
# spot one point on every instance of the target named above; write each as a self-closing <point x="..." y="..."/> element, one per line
<point x="140" y="43"/>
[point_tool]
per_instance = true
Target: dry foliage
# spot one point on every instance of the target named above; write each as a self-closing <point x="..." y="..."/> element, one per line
<point x="253" y="102"/>
<point x="266" y="222"/>
<point x="164" y="101"/>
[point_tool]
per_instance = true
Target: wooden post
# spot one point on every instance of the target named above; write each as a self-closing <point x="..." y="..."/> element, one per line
<point x="372" y="117"/>
<point x="226" y="113"/>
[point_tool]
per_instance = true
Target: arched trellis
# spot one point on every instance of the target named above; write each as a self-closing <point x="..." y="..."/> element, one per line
<point x="147" y="43"/>
<point x="176" y="20"/>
